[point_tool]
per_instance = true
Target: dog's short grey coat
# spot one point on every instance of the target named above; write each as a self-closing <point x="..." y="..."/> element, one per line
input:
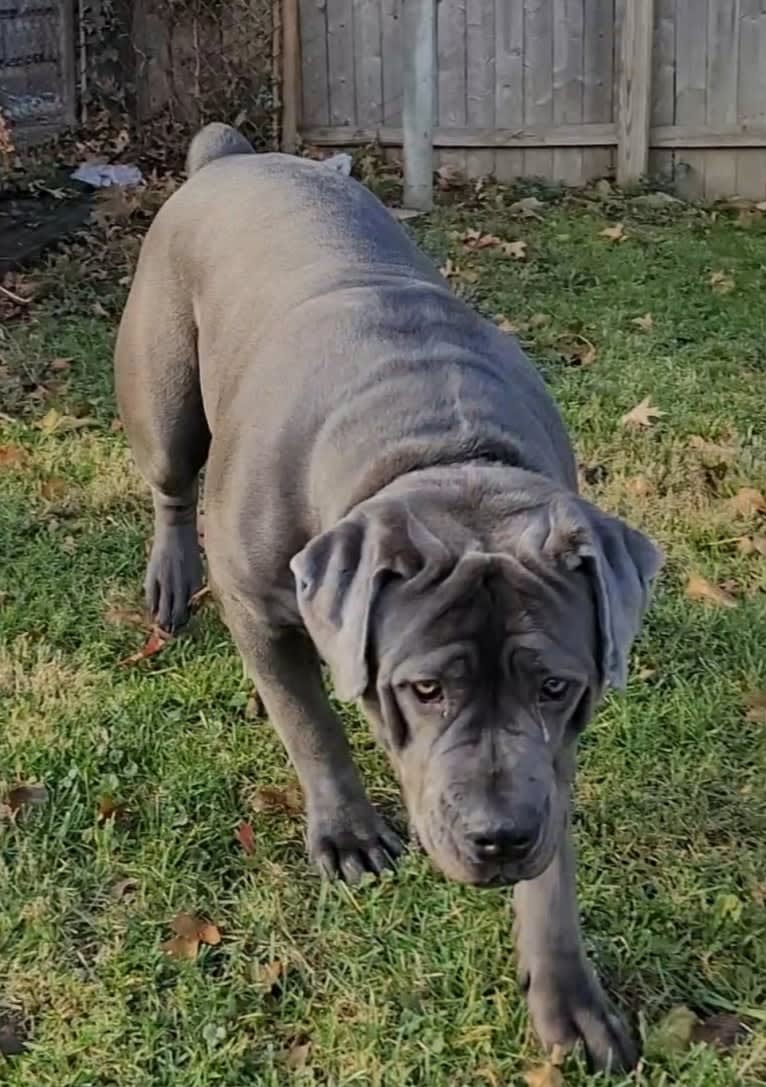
<point x="390" y="487"/>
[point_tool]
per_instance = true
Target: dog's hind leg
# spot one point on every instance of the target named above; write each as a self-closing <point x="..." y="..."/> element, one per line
<point x="158" y="391"/>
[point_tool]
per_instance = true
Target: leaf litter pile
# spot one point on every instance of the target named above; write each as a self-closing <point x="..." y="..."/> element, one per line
<point x="651" y="448"/>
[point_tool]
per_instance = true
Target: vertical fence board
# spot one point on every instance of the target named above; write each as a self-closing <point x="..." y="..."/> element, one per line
<point x="751" y="108"/>
<point x="368" y="62"/>
<point x="722" y="65"/>
<point x="691" y="89"/>
<point x="663" y="81"/>
<point x="480" y="79"/>
<point x="633" y="114"/>
<point x="509" y="86"/>
<point x="313" y="35"/>
<point x="538" y="80"/>
<point x="598" y="79"/>
<point x="451" y="56"/>
<point x="340" y="61"/>
<point x="391" y="34"/>
<point x="568" y="60"/>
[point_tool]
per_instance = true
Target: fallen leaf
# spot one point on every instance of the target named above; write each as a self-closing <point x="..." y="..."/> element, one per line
<point x="449" y="177"/>
<point x="125" y="617"/>
<point x="527" y="207"/>
<point x="645" y="323"/>
<point x="116" y="425"/>
<point x="614" y="233"/>
<point x="580" y="353"/>
<point x="755" y="707"/>
<point x="190" y="930"/>
<point x="12" y="456"/>
<point x="474" y="239"/>
<point x="722" y="1031"/>
<point x="54" y="421"/>
<point x="254" y="707"/>
<point x="124" y="887"/>
<point x="200" y="598"/>
<point x="713" y="453"/>
<point x="700" y="589"/>
<point x="98" y="310"/>
<point x="12" y="1043"/>
<point x="515" y="250"/>
<point x="26" y="796"/>
<point x="60" y="364"/>
<point x="268" y="974"/>
<point x="154" y="644"/>
<point x="643" y="415"/>
<point x="181" y="948"/>
<point x="298" y="1055"/>
<point x="645" y="674"/>
<point x="537" y="320"/>
<point x="270" y="799"/>
<point x="747" y="502"/>
<point x="53" y="488"/>
<point x="721" y="282"/>
<point x="69" y="545"/>
<point x="107" y="808"/>
<point x="246" y="838"/>
<point x="210" y="934"/>
<point x="673" y="1033"/>
<point x="544" y="1075"/>
<point x="505" y="325"/>
<point x="639" y="486"/>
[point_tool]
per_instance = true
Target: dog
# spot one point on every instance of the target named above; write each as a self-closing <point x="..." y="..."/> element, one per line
<point x="391" y="490"/>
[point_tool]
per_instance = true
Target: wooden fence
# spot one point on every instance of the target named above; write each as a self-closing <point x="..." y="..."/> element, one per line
<point x="565" y="90"/>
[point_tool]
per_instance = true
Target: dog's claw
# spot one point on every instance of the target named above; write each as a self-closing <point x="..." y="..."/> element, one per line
<point x="349" y="846"/>
<point x="173" y="575"/>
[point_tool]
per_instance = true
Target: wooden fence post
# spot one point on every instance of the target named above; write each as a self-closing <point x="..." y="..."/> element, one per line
<point x="418" y="103"/>
<point x="635" y="89"/>
<point x="290" y="56"/>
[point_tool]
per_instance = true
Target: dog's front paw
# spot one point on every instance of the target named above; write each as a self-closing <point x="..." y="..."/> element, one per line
<point x="348" y="841"/>
<point x="173" y="575"/>
<point x="567" y="1005"/>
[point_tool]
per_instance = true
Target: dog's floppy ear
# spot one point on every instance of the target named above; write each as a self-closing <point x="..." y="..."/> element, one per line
<point x="622" y="564"/>
<point x="338" y="577"/>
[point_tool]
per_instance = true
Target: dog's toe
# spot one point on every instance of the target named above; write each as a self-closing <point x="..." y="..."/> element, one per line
<point x="173" y="575"/>
<point x="349" y="847"/>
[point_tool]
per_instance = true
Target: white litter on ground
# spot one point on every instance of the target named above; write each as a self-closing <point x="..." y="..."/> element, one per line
<point x="100" y="175"/>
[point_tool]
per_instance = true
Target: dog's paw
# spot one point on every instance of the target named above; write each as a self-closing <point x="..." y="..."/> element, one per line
<point x="351" y="841"/>
<point x="567" y="1005"/>
<point x="173" y="576"/>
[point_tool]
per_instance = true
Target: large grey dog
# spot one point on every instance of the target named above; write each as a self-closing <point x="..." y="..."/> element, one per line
<point x="390" y="488"/>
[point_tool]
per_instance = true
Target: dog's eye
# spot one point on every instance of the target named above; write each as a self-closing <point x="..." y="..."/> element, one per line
<point x="554" y="689"/>
<point x="428" y="690"/>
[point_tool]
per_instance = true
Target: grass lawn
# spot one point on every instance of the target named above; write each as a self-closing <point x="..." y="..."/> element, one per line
<point x="411" y="980"/>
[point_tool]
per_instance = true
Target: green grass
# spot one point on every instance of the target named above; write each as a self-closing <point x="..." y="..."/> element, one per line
<point x="409" y="981"/>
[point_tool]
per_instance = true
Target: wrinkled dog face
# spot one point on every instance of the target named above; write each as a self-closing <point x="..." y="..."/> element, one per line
<point x="478" y="662"/>
<point x="480" y="688"/>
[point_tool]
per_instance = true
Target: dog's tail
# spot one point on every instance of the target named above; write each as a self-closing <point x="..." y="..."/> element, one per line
<point x="213" y="142"/>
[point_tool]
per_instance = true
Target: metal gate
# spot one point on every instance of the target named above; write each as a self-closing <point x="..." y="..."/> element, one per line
<point x="37" y="69"/>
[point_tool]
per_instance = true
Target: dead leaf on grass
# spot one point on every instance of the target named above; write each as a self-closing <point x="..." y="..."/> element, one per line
<point x="298" y="1054"/>
<point x="755" y="707"/>
<point x="700" y="589"/>
<point x="643" y="415"/>
<point x="527" y="207"/>
<point x="614" y="233"/>
<point x="254" y="707"/>
<point x="200" y="598"/>
<point x="270" y="799"/>
<point x="722" y="1031"/>
<point x="504" y="324"/>
<point x="12" y="456"/>
<point x="154" y="644"/>
<point x="544" y="1075"/>
<point x="246" y="838"/>
<point x="474" y="239"/>
<point x="450" y="270"/>
<point x="268" y="974"/>
<point x="190" y="930"/>
<point x="713" y="453"/>
<point x="54" y="422"/>
<point x="124" y="887"/>
<point x="26" y="795"/>
<point x="645" y="323"/>
<point x="98" y="310"/>
<point x="108" y="809"/>
<point x="537" y="320"/>
<point x="752" y="545"/>
<point x="53" y="489"/>
<point x="116" y="425"/>
<point x="580" y="353"/>
<point x="125" y="617"/>
<point x="515" y="250"/>
<point x="721" y="282"/>
<point x="639" y="486"/>
<point x="12" y="1036"/>
<point x="60" y="364"/>
<point x="747" y="502"/>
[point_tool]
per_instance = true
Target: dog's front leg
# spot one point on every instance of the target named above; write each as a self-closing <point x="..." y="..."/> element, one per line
<point x="346" y="836"/>
<point x="566" y="1001"/>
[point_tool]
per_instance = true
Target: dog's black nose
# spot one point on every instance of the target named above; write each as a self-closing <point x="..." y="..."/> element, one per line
<point x="504" y="842"/>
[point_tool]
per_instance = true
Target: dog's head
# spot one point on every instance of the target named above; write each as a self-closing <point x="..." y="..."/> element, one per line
<point x="479" y="657"/>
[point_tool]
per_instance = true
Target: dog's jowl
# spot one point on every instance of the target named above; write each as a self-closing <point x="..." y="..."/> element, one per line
<point x="389" y="488"/>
